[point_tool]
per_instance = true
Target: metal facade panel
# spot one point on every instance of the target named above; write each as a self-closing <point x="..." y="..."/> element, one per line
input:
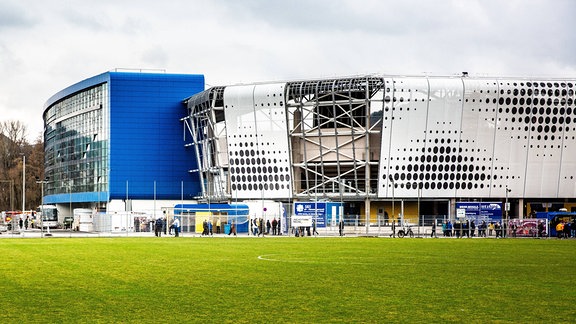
<point x="273" y="147"/>
<point x="403" y="134"/>
<point x="257" y="141"/>
<point x="543" y="155"/>
<point x="477" y="136"/>
<point x="548" y="141"/>
<point x="511" y="141"/>
<point x="567" y="177"/>
<point x="240" y="135"/>
<point x="384" y="185"/>
<point x="443" y="134"/>
<point x="147" y="157"/>
<point x="482" y="136"/>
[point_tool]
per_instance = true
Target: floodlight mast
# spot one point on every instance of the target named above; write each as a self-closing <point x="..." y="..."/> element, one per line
<point x="23" y="191"/>
<point x="393" y="209"/>
<point x="506" y="207"/>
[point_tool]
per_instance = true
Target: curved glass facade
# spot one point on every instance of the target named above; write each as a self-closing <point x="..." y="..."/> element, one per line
<point x="76" y="142"/>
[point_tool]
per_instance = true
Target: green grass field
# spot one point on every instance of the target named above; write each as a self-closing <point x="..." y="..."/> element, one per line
<point x="307" y="280"/>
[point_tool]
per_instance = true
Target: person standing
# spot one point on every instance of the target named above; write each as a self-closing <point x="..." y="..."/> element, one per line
<point x="540" y="229"/>
<point x="567" y="230"/>
<point x="260" y="227"/>
<point x="158" y="227"/>
<point x="176" y="226"/>
<point x="314" y="231"/>
<point x="26" y="222"/>
<point x="341" y="227"/>
<point x="254" y="226"/>
<point x="279" y="229"/>
<point x="274" y="226"/>
<point x="232" y="229"/>
<point x="268" y="226"/>
<point x="433" y="233"/>
<point x="559" y="229"/>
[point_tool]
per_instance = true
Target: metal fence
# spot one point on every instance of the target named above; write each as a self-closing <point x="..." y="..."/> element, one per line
<point x="354" y="225"/>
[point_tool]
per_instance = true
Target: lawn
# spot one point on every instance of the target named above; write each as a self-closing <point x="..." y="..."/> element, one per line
<point x="300" y="280"/>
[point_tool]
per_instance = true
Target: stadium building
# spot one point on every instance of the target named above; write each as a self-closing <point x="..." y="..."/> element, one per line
<point x="113" y="142"/>
<point x="382" y="147"/>
<point x="390" y="147"/>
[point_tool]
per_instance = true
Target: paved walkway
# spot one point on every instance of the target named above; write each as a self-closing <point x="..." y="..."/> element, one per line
<point x="353" y="231"/>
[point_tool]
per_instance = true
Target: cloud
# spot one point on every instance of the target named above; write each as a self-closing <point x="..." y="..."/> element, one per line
<point x="155" y="56"/>
<point x="13" y="16"/>
<point x="46" y="46"/>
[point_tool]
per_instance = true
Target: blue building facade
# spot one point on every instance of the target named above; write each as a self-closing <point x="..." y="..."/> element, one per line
<point x="118" y="136"/>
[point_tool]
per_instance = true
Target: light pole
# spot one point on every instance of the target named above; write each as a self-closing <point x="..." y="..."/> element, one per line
<point x="42" y="182"/>
<point x="506" y="207"/>
<point x="70" y="198"/>
<point x="419" y="212"/>
<point x="393" y="210"/>
<point x="23" y="192"/>
<point x="393" y="218"/>
<point x="23" y="183"/>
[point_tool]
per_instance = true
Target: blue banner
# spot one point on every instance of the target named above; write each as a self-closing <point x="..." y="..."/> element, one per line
<point x="316" y="210"/>
<point x="481" y="210"/>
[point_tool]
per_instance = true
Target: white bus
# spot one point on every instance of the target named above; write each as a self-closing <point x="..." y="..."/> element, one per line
<point x="48" y="216"/>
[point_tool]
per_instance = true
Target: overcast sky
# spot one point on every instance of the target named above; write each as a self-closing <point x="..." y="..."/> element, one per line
<point x="47" y="45"/>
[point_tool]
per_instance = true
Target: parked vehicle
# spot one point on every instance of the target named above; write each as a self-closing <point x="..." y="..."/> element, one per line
<point x="11" y="218"/>
<point x="406" y="230"/>
<point x="48" y="216"/>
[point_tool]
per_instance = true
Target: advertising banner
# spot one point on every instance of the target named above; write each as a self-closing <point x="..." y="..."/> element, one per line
<point x="480" y="210"/>
<point x="304" y="221"/>
<point x="312" y="210"/>
<point x="527" y="228"/>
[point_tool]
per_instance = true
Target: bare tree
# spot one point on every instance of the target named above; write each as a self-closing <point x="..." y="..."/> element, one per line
<point x="13" y="146"/>
<point x="12" y="140"/>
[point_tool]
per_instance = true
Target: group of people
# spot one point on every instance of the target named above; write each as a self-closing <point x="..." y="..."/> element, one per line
<point x="499" y="229"/>
<point x="259" y="227"/>
<point x="468" y="229"/>
<point x="566" y="229"/>
<point x="207" y="228"/>
<point x="160" y="226"/>
<point x="23" y="223"/>
<point x="301" y="231"/>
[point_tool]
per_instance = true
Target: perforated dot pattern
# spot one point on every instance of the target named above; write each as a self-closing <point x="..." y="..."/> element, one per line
<point x="475" y="138"/>
<point x="257" y="142"/>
